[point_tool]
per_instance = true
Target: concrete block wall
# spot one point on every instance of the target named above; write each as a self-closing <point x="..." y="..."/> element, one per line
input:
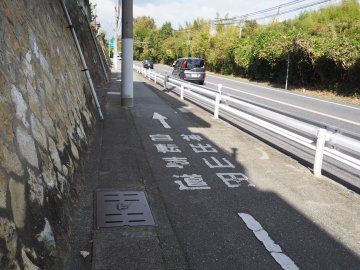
<point x="46" y="116"/>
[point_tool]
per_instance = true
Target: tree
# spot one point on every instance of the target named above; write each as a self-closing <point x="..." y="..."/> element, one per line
<point x="144" y="27"/>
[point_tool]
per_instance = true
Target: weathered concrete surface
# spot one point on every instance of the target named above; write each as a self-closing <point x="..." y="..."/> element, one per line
<point x="46" y="116"/>
<point x="116" y="160"/>
<point x="314" y="220"/>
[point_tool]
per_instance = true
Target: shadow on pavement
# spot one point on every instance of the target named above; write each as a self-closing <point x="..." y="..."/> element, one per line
<point x="206" y="222"/>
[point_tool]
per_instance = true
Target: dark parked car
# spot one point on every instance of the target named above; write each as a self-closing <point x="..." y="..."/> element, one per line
<point x="190" y="69"/>
<point x="148" y="64"/>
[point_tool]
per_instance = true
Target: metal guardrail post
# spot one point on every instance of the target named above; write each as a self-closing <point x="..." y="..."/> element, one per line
<point x="182" y="91"/>
<point x="155" y="77"/>
<point x="165" y="80"/>
<point x="217" y="102"/>
<point x="217" y="105"/>
<point x="319" y="154"/>
<point x="219" y="88"/>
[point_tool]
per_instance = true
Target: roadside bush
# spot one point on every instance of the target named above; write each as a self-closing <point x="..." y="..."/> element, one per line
<point x="269" y="57"/>
<point x="323" y="47"/>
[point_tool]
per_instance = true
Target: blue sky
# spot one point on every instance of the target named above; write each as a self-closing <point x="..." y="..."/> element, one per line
<point x="181" y="11"/>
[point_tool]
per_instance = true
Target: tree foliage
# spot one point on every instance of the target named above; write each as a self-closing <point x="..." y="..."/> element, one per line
<point x="323" y="47"/>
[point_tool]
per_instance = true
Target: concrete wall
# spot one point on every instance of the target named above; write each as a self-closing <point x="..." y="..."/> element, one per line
<point x="46" y="116"/>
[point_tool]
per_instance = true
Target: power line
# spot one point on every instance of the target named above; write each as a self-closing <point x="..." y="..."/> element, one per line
<point x="242" y="18"/>
<point x="263" y="10"/>
<point x="294" y="9"/>
<point x="273" y="8"/>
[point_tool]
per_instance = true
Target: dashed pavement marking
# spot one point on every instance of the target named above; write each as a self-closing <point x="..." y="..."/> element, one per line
<point x="275" y="250"/>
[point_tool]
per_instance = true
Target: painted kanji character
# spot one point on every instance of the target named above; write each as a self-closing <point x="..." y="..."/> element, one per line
<point x="218" y="164"/>
<point x="191" y="137"/>
<point x="232" y="179"/>
<point x="191" y="182"/>
<point x="161" y="138"/>
<point x="199" y="148"/>
<point x="176" y="162"/>
<point x="167" y="148"/>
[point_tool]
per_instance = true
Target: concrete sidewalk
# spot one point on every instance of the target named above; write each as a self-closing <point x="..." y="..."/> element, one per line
<point x="116" y="161"/>
<point x="119" y="159"/>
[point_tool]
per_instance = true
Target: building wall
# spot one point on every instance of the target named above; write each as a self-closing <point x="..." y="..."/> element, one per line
<point x="47" y="114"/>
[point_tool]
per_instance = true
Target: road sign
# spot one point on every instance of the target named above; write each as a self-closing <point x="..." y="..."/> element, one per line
<point x="112" y="43"/>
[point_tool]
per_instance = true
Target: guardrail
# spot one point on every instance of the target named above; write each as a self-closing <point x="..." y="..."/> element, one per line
<point x="335" y="145"/>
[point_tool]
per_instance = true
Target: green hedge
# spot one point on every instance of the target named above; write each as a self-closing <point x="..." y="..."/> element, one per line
<point x="323" y="48"/>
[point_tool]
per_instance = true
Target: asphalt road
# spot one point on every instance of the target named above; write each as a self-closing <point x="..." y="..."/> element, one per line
<point x="235" y="203"/>
<point x="326" y="113"/>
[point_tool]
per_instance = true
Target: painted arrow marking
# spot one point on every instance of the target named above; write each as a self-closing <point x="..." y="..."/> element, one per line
<point x="161" y="119"/>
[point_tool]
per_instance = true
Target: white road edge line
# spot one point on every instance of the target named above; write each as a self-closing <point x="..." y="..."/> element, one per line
<point x="294" y="106"/>
<point x="273" y="89"/>
<point x="275" y="250"/>
<point x="288" y="93"/>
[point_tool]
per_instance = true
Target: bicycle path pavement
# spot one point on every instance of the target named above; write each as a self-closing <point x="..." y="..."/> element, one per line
<point x="220" y="198"/>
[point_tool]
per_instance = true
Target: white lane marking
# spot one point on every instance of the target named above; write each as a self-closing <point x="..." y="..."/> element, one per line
<point x="275" y="250"/>
<point x="288" y="93"/>
<point x="291" y="105"/>
<point x="272" y="89"/>
<point x="162" y="119"/>
<point x="113" y="93"/>
<point x="295" y="106"/>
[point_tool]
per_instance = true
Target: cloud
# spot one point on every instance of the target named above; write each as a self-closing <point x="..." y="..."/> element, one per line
<point x="179" y="12"/>
<point x="105" y="11"/>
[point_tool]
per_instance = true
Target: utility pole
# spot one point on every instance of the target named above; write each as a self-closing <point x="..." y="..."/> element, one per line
<point x="287" y="70"/>
<point x="242" y="24"/>
<point x="117" y="17"/>
<point x="213" y="28"/>
<point x="94" y="8"/>
<point x="127" y="41"/>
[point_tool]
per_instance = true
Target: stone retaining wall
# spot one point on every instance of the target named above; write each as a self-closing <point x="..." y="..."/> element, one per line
<point x="46" y="116"/>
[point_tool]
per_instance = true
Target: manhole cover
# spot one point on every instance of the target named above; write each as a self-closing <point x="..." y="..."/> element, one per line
<point x="122" y="208"/>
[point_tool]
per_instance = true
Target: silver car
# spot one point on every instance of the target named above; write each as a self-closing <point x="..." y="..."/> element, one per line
<point x="190" y="69"/>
